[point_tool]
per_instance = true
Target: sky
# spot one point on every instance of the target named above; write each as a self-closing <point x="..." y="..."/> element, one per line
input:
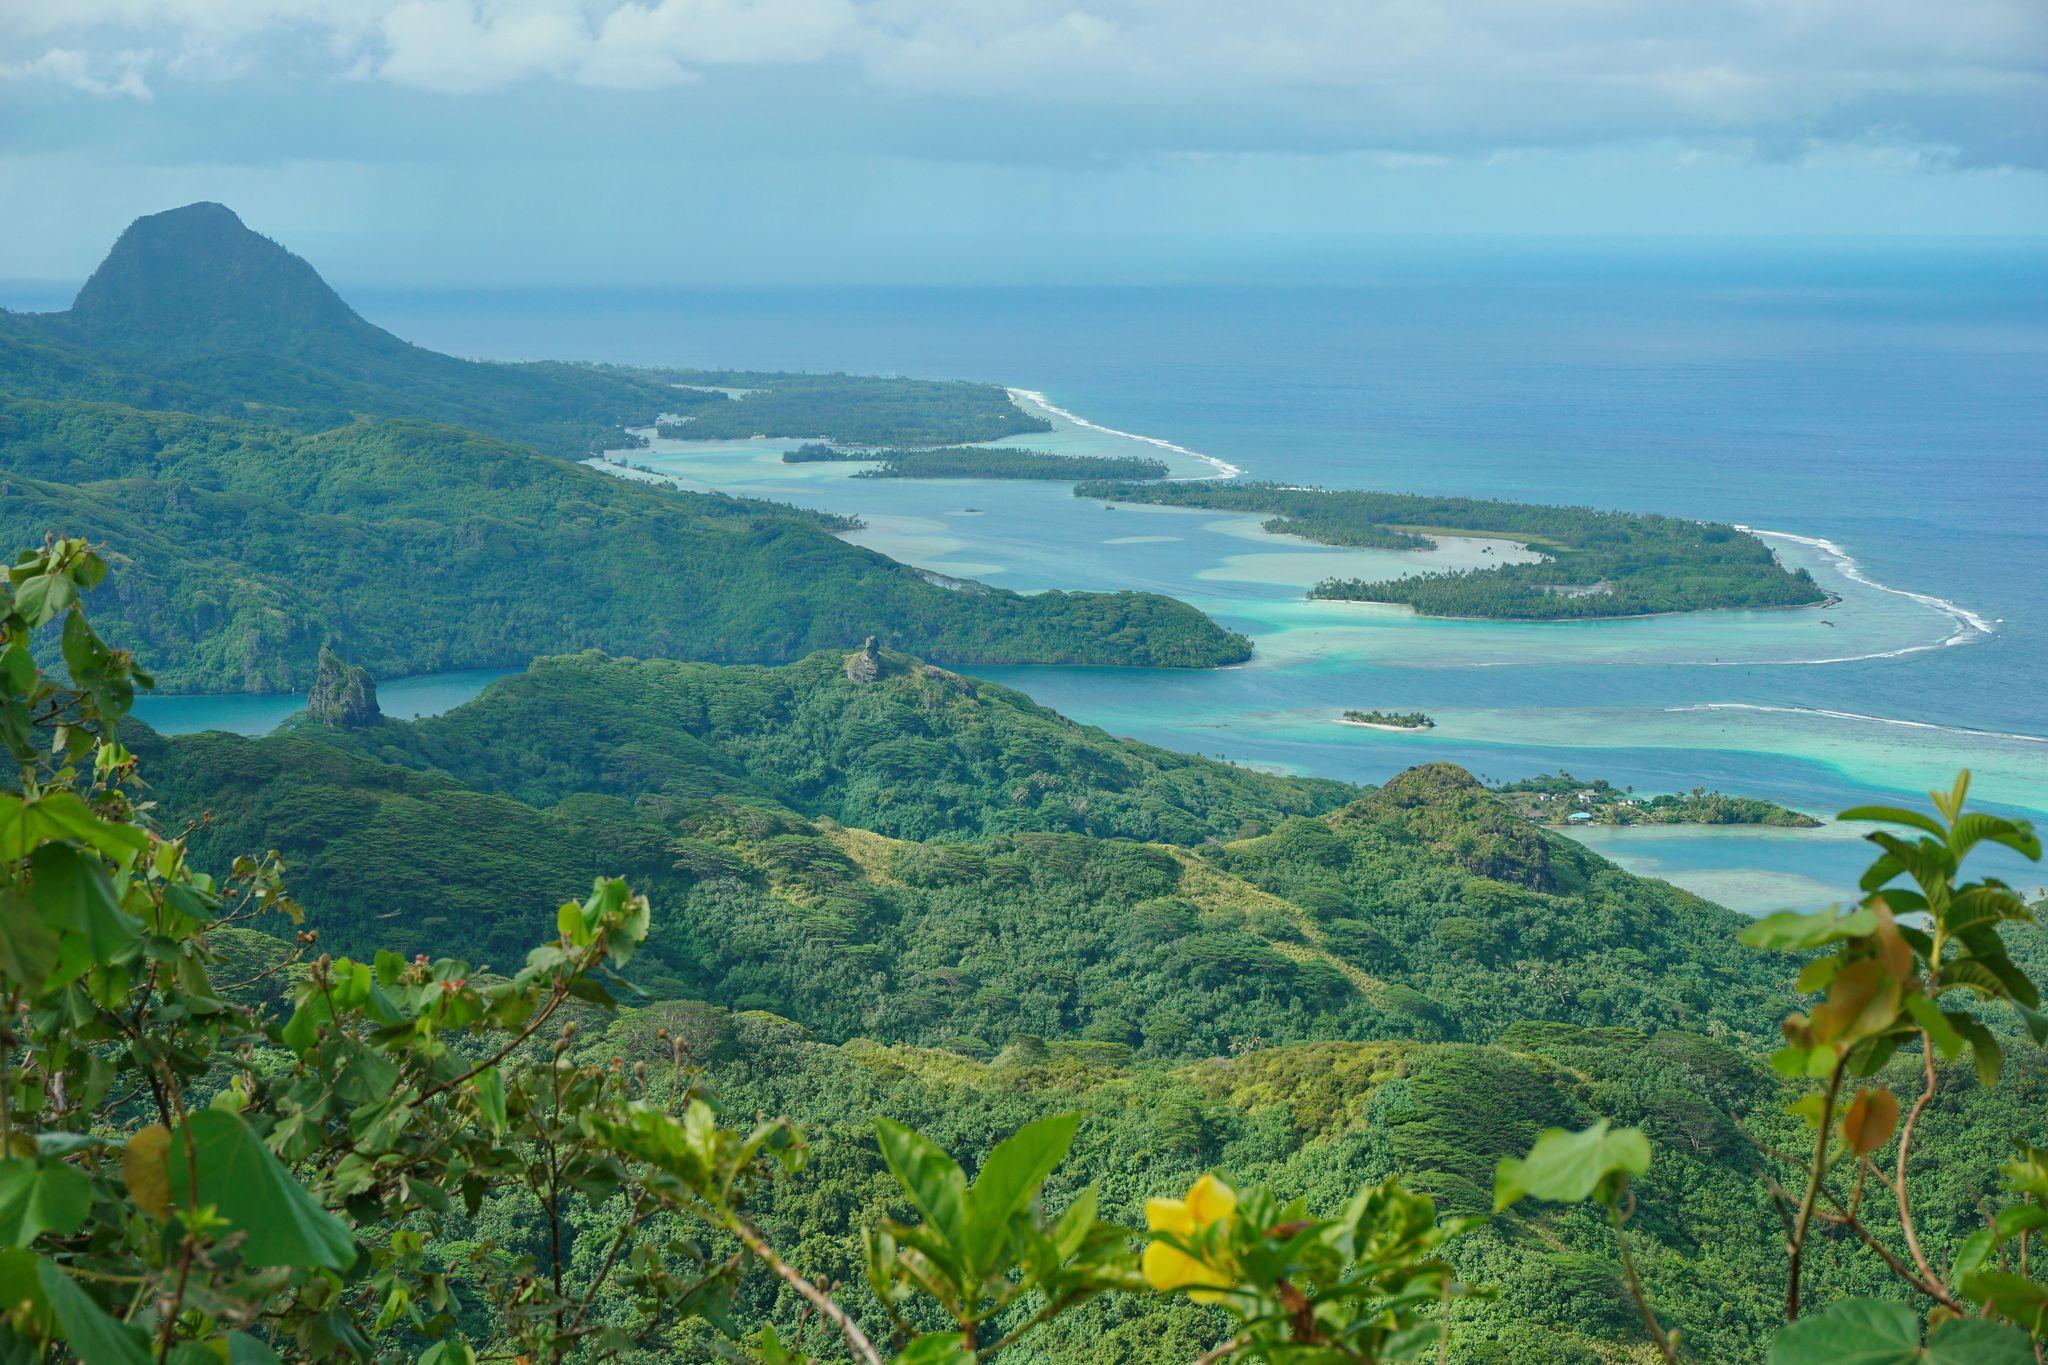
<point x="480" y="143"/>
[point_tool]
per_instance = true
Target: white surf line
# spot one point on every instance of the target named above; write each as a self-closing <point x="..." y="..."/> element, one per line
<point x="1858" y="715"/>
<point x="1224" y="468"/>
<point x="1970" y="627"/>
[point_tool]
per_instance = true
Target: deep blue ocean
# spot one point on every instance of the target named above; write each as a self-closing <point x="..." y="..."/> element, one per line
<point x="1892" y="400"/>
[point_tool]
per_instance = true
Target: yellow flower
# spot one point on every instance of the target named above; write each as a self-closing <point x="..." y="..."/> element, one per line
<point x="1168" y="1268"/>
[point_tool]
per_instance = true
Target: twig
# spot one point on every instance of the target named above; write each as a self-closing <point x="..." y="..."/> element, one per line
<point x="1053" y="1308"/>
<point x="1665" y="1346"/>
<point x="540" y="1016"/>
<point x="1843" y="1218"/>
<point x="1797" y="1247"/>
<point x="751" y="1238"/>
<point x="1899" y="1188"/>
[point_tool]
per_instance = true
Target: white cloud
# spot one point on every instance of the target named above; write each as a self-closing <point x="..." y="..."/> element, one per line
<point x="108" y="75"/>
<point x="455" y="46"/>
<point x="1419" y="76"/>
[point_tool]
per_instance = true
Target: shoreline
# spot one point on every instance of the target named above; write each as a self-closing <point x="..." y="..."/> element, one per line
<point x="1224" y="468"/>
<point x="1970" y="626"/>
<point x="1832" y="599"/>
<point x="1378" y="725"/>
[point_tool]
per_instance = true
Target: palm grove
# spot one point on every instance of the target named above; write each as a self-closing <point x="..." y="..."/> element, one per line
<point x="1243" y="1066"/>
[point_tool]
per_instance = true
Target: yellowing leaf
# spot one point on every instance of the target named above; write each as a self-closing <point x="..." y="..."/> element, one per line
<point x="145" y="1166"/>
<point x="1868" y="1122"/>
<point x="1863" y="1001"/>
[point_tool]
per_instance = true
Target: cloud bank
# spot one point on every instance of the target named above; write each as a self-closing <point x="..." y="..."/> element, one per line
<point x="1964" y="81"/>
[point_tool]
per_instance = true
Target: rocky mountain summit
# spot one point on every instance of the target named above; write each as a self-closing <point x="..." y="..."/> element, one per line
<point x="344" y="696"/>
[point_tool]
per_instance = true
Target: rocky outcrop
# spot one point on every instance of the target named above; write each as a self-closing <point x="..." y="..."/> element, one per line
<point x="865" y="666"/>
<point x="343" y="696"/>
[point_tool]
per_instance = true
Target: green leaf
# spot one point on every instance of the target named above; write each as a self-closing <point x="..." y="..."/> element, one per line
<point x="2035" y="1022"/>
<point x="2019" y="987"/>
<point x="1982" y="905"/>
<point x="1947" y="1042"/>
<point x="38" y="1199"/>
<point x="490" y="1097"/>
<point x="1009" y="1178"/>
<point x="91" y="1333"/>
<point x="76" y="896"/>
<point x="1565" y="1167"/>
<point x="302" y="1031"/>
<point x="28" y="950"/>
<point x="64" y="815"/>
<point x="2012" y="1296"/>
<point x="1895" y="815"/>
<point x="251" y="1188"/>
<point x="21" y="1284"/>
<point x="1990" y="1056"/>
<point x="1792" y="931"/>
<point x="1077" y="1222"/>
<point x="18" y="669"/>
<point x="1974" y="828"/>
<point x="40" y="597"/>
<point x="940" y="1348"/>
<point x="1875" y="1332"/>
<point x="933" y="1180"/>
<point x="1972" y="976"/>
<point x="1930" y="864"/>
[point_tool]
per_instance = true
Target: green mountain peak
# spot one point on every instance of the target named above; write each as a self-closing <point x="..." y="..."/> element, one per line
<point x="197" y="281"/>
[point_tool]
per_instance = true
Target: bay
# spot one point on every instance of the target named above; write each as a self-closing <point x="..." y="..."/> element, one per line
<point x="1883" y="408"/>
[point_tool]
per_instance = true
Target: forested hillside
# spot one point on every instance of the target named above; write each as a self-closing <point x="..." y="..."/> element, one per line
<point x="272" y="472"/>
<point x="419" y="548"/>
<point x="915" y="752"/>
<point x="1198" y="1002"/>
<point x="1423" y="910"/>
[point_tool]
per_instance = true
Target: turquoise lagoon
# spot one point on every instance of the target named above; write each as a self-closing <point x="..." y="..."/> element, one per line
<point x="428" y="694"/>
<point x="1721" y="699"/>
<point x="1889" y="400"/>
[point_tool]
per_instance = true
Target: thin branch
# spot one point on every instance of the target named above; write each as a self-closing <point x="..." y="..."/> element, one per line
<point x="1234" y="1344"/>
<point x="298" y="955"/>
<point x="1052" y="1309"/>
<point x="540" y="1016"/>
<point x="611" y="1259"/>
<point x="1665" y="1346"/>
<point x="1843" y="1218"/>
<point x="1900" y="1190"/>
<point x="1814" y="1176"/>
<point x="751" y="1238"/>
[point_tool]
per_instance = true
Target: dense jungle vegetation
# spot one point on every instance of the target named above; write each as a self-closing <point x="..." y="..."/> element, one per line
<point x="849" y="409"/>
<point x="1594" y="563"/>
<point x="981" y="462"/>
<point x="250" y="545"/>
<point x="452" y="1156"/>
<point x="842" y="932"/>
<point x="253" y="523"/>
